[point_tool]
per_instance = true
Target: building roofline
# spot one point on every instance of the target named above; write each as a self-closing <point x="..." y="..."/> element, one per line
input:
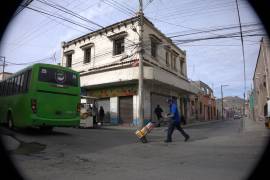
<point x="201" y="82"/>
<point x="124" y="22"/>
<point x="105" y="29"/>
<point x="258" y="58"/>
<point x="6" y="73"/>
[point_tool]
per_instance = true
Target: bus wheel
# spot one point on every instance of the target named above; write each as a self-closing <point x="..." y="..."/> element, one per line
<point x="10" y="121"/>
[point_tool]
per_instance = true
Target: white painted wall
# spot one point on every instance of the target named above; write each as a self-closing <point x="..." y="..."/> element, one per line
<point x="114" y="110"/>
<point x="161" y="50"/>
<point x="135" y="110"/>
<point x="102" y="50"/>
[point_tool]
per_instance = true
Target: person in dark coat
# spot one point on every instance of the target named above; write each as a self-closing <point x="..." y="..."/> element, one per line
<point x="158" y="112"/>
<point x="174" y="121"/>
<point x="94" y="113"/>
<point x="101" y="114"/>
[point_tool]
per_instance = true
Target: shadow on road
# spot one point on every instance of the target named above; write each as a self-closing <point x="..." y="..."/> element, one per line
<point x="31" y="131"/>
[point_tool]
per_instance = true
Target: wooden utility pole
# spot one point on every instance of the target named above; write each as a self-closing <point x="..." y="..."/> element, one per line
<point x="222" y="104"/>
<point x="140" y="87"/>
<point x="244" y="62"/>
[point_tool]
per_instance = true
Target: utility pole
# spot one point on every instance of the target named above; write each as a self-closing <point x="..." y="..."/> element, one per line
<point x="140" y="87"/>
<point x="222" y="106"/>
<point x="4" y="64"/>
<point x="243" y="55"/>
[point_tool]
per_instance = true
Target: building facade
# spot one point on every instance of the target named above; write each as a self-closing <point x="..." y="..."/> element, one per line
<point x="107" y="60"/>
<point x="4" y="75"/>
<point x="202" y="106"/>
<point x="261" y="80"/>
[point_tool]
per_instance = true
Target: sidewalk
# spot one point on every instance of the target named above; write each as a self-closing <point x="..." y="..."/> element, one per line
<point x="251" y="125"/>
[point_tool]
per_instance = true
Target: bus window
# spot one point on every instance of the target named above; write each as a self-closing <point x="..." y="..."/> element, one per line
<point x="12" y="86"/>
<point x="29" y="73"/>
<point x="14" y="89"/>
<point x="57" y="76"/>
<point x="18" y="84"/>
<point x="21" y="84"/>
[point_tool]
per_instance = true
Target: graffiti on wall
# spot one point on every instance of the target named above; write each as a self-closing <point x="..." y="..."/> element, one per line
<point x="114" y="91"/>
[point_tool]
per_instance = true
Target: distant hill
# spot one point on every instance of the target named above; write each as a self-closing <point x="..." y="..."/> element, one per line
<point x="231" y="102"/>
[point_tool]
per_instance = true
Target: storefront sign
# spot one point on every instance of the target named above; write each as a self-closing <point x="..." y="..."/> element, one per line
<point x="114" y="91"/>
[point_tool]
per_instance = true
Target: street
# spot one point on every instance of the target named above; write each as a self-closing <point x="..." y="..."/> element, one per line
<point x="216" y="150"/>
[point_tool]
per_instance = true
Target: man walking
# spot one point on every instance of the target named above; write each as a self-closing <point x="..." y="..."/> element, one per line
<point x="158" y="112"/>
<point x="174" y="121"/>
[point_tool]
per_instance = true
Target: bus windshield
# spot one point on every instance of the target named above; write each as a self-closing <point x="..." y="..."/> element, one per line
<point x="57" y="76"/>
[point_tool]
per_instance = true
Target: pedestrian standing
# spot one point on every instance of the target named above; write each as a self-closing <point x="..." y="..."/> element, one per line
<point x="174" y="121"/>
<point x="94" y="113"/>
<point x="158" y="112"/>
<point x="101" y="114"/>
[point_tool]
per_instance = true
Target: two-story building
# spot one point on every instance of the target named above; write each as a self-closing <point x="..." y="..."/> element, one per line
<point x="4" y="75"/>
<point x="202" y="106"/>
<point x="107" y="60"/>
<point x="261" y="81"/>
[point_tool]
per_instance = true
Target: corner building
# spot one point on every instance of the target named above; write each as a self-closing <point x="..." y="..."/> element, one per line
<point x="107" y="60"/>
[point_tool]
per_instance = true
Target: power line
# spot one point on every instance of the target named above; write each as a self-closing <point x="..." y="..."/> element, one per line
<point x="37" y="28"/>
<point x="194" y="29"/>
<point x="20" y="9"/>
<point x="199" y="11"/>
<point x="147" y="4"/>
<point x="214" y="37"/>
<point x="119" y="8"/>
<point x="246" y="25"/>
<point x="124" y="6"/>
<point x="65" y="10"/>
<point x="28" y="63"/>
<point x="58" y="17"/>
<point x="213" y="30"/>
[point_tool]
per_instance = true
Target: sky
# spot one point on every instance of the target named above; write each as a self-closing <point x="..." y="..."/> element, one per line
<point x="32" y="36"/>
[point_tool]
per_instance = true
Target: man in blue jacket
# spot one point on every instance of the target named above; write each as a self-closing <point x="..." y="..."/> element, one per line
<point x="174" y="121"/>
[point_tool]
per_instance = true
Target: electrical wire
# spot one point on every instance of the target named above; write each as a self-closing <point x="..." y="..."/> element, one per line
<point x="65" y="10"/>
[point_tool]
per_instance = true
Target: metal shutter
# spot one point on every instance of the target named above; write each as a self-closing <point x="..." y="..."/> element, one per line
<point x="126" y="109"/>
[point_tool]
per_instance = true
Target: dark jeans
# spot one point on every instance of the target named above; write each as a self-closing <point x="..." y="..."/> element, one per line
<point x="158" y="120"/>
<point x="172" y="125"/>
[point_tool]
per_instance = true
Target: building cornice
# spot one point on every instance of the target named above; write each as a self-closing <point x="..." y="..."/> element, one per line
<point x="118" y="25"/>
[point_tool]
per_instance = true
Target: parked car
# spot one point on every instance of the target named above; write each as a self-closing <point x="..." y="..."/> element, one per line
<point x="236" y="116"/>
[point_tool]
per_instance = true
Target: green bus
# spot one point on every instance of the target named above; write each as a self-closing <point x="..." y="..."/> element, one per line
<point x="41" y="95"/>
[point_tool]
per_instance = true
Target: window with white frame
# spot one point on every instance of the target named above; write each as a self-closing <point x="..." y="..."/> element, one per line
<point x="68" y="60"/>
<point x="119" y="46"/>
<point x="68" y="55"/>
<point x="182" y="62"/>
<point x="87" y="55"/>
<point x="173" y="61"/>
<point x="167" y="56"/>
<point x="153" y="48"/>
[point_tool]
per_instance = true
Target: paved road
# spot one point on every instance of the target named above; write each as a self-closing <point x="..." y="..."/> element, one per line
<point x="215" y="151"/>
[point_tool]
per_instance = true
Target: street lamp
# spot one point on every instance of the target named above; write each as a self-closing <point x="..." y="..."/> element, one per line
<point x="222" y="100"/>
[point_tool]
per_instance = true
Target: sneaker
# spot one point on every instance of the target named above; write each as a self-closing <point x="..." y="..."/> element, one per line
<point x="167" y="141"/>
<point x="186" y="139"/>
